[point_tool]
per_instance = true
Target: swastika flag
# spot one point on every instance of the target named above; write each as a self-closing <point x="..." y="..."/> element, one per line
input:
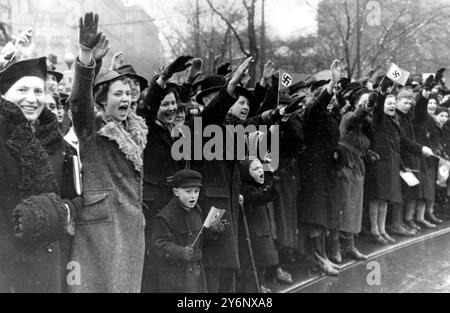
<point x="398" y="75"/>
<point x="289" y="79"/>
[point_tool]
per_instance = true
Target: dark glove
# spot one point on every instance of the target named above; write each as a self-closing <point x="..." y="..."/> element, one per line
<point x="295" y="106"/>
<point x="179" y="65"/>
<point x="439" y="76"/>
<point x="386" y="83"/>
<point x="195" y="70"/>
<point x="429" y="83"/>
<point x="89" y="36"/>
<point x="224" y="69"/>
<point x="372" y="101"/>
<point x="371" y="156"/>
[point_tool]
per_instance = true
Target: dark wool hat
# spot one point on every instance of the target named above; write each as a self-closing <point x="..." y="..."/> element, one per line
<point x="59" y="76"/>
<point x="298" y="86"/>
<point x="318" y="84"/>
<point x="241" y="91"/>
<point x="129" y="71"/>
<point x="434" y="96"/>
<point x="209" y="85"/>
<point x="41" y="218"/>
<point x="441" y="109"/>
<point x="15" y="71"/>
<point x="187" y="178"/>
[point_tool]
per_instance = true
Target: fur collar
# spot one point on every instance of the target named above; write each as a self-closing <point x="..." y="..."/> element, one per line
<point x="131" y="138"/>
<point x="31" y="149"/>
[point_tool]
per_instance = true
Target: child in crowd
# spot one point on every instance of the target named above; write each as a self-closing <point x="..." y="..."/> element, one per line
<point x="176" y="229"/>
<point x="258" y="193"/>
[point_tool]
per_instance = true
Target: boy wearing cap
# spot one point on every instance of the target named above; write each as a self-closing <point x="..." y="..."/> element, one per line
<point x="176" y="228"/>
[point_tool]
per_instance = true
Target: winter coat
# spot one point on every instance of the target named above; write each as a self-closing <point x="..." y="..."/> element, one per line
<point x="31" y="164"/>
<point x="286" y="203"/>
<point x="384" y="175"/>
<point x="319" y="205"/>
<point x="158" y="161"/>
<point x="222" y="184"/>
<point x="176" y="228"/>
<point x="409" y="160"/>
<point x="256" y="203"/>
<point x="355" y="139"/>
<point x="109" y="240"/>
<point x="427" y="134"/>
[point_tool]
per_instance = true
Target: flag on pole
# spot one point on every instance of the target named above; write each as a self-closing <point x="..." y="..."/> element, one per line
<point x="398" y="75"/>
<point x="214" y="217"/>
<point x="288" y="79"/>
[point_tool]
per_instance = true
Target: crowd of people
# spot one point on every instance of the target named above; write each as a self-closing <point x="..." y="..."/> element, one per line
<point x="92" y="198"/>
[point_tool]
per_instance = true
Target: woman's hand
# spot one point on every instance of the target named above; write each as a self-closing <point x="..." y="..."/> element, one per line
<point x="238" y="75"/>
<point x="269" y="69"/>
<point x="336" y="74"/>
<point x="101" y="49"/>
<point x="89" y="36"/>
<point x="195" y="71"/>
<point x="179" y="65"/>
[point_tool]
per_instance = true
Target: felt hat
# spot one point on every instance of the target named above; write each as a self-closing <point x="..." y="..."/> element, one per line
<point x="129" y="71"/>
<point x="15" y="71"/>
<point x="209" y="85"/>
<point x="106" y="77"/>
<point x="59" y="76"/>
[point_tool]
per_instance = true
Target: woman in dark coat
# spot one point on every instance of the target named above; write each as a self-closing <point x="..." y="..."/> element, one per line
<point x="427" y="134"/>
<point x="384" y="180"/>
<point x="35" y="167"/>
<point x="356" y="134"/>
<point x="320" y="210"/>
<point x="412" y="162"/>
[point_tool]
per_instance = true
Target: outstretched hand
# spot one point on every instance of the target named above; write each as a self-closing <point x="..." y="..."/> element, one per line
<point x="195" y="70"/>
<point x="101" y="49"/>
<point x="239" y="75"/>
<point x="336" y="74"/>
<point x="89" y="36"/>
<point x="179" y="65"/>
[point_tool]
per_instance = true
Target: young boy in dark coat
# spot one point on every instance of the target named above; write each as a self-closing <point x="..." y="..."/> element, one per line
<point x="258" y="194"/>
<point x="176" y="228"/>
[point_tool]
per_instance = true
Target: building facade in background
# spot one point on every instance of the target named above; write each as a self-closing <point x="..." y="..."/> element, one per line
<point x="55" y="25"/>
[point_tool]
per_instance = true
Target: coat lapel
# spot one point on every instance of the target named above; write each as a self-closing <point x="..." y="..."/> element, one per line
<point x="131" y="142"/>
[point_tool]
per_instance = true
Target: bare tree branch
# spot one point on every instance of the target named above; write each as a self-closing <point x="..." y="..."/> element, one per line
<point x="230" y="25"/>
